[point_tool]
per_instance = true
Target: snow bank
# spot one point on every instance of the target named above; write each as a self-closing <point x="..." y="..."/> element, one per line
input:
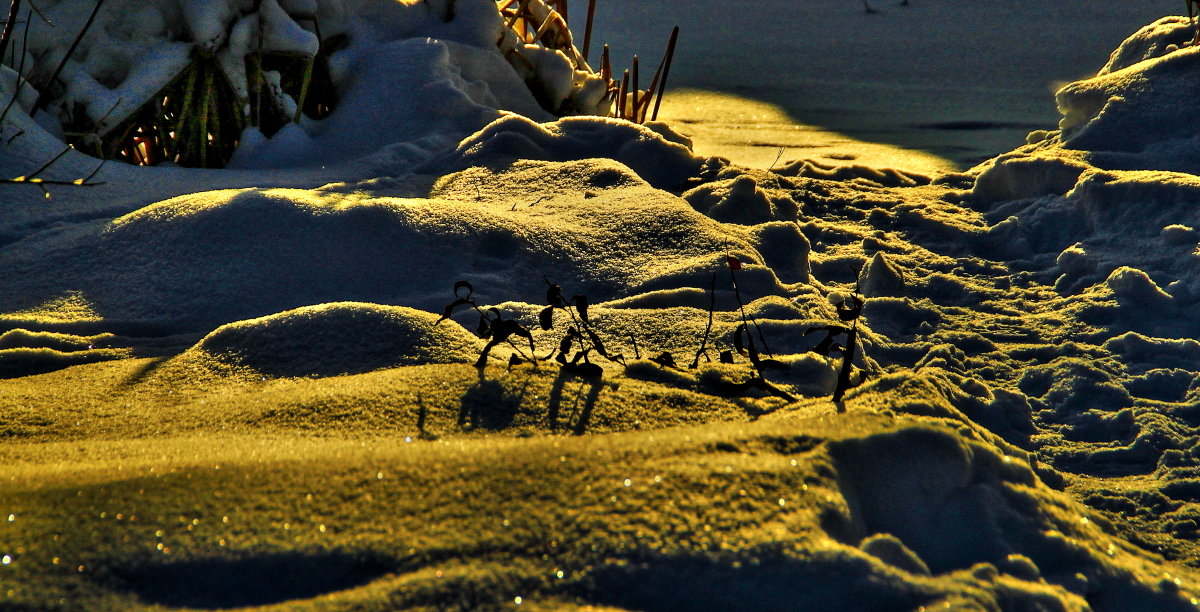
<point x="436" y="93"/>
<point x="210" y="258"/>
<point x="1109" y="198"/>
<point x="340" y="338"/>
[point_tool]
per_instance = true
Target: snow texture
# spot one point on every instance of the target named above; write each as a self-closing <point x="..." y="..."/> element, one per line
<point x="1029" y="324"/>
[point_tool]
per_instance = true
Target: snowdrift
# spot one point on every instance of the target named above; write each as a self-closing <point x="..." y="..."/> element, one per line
<point x="276" y="391"/>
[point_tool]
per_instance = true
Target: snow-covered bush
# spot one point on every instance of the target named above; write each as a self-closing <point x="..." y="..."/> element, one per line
<point x="187" y="81"/>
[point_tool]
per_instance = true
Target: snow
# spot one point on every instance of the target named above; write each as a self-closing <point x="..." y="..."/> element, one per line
<point x="328" y="340"/>
<point x="1021" y="429"/>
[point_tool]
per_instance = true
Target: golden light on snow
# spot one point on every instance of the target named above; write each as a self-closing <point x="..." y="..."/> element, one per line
<point x="751" y="132"/>
<point x="72" y="307"/>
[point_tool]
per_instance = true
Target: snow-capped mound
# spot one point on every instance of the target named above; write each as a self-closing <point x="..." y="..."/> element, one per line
<point x="1157" y="39"/>
<point x="437" y="92"/>
<point x="1136" y="113"/>
<point x="740" y="200"/>
<point x="340" y="338"/>
<point x="201" y="260"/>
<point x="1151" y="103"/>
<point x="655" y="152"/>
<point x="947" y="503"/>
<point x="1107" y="202"/>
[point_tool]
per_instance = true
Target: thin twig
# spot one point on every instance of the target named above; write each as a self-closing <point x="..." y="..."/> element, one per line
<point x="777" y="156"/>
<point x="61" y="153"/>
<point x="20" y="69"/>
<point x="24" y="180"/>
<point x="746" y="318"/>
<point x="8" y="26"/>
<point x="712" y="304"/>
<point x="33" y="5"/>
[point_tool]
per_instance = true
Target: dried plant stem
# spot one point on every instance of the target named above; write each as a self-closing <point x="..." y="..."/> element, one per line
<point x="843" y="383"/>
<point x="13" y="7"/>
<point x="185" y="114"/>
<point x="622" y="93"/>
<point x="587" y="28"/>
<point x="712" y="305"/>
<point x="308" y="70"/>
<point x="634" y="115"/>
<point x="21" y="80"/>
<point x="737" y="293"/>
<point x="202" y="120"/>
<point x="666" y="71"/>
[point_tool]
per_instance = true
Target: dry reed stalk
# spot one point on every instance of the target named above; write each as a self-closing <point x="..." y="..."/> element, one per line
<point x="622" y="94"/>
<point x="587" y="28"/>
<point x="13" y="7"/>
<point x="666" y="68"/>
<point x="633" y="115"/>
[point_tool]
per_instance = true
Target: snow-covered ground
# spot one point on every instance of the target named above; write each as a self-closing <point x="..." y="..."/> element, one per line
<point x="235" y="387"/>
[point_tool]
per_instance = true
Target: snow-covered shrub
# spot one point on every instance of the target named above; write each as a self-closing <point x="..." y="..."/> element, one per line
<point x="188" y="81"/>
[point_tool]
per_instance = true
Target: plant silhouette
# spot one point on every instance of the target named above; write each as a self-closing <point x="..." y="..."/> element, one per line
<point x="492" y="326"/>
<point x="743" y="342"/>
<point x="849" y="309"/>
<point x="580" y="335"/>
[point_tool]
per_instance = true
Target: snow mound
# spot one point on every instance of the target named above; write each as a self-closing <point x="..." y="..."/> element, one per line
<point x="660" y="156"/>
<point x="740" y="200"/>
<point x="1148" y="103"/>
<point x="439" y="91"/>
<point x="24" y="352"/>
<point x="1106" y="205"/>
<point x="20" y="338"/>
<point x="340" y="338"/>
<point x="930" y="498"/>
<point x="205" y="259"/>
<point x="26" y="361"/>
<point x="1157" y="39"/>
